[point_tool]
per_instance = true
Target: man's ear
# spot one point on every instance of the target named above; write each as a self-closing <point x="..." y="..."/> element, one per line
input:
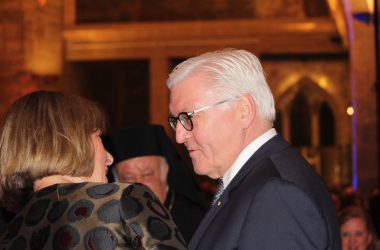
<point x="164" y="168"/>
<point x="247" y="110"/>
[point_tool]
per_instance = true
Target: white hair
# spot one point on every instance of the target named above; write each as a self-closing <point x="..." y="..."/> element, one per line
<point x="164" y="167"/>
<point x="233" y="73"/>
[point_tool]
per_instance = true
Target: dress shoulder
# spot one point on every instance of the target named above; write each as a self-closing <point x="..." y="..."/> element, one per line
<point x="149" y="219"/>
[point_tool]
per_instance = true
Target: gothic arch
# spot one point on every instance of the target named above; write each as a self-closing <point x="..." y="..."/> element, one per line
<point x="325" y="157"/>
<point x="316" y="96"/>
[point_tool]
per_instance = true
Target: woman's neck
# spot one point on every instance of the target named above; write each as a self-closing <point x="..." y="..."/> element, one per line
<point x="57" y="179"/>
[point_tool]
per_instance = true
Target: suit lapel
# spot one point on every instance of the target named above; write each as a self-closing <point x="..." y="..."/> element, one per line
<point x="277" y="143"/>
<point x="214" y="209"/>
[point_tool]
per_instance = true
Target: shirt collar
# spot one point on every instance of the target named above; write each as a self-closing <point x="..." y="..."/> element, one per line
<point x="246" y="154"/>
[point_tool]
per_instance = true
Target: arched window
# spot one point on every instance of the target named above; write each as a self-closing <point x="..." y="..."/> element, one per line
<point x="326" y="126"/>
<point x="300" y="121"/>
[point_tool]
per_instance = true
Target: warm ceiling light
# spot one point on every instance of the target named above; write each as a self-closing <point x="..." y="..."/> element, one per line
<point x="42" y="3"/>
<point x="350" y="111"/>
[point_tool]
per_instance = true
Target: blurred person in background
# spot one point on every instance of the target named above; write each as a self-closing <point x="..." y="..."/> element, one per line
<point x="350" y="197"/>
<point x="336" y="197"/>
<point x="356" y="229"/>
<point x="145" y="154"/>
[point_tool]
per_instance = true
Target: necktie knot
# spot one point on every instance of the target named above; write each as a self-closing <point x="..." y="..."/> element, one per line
<point x="218" y="192"/>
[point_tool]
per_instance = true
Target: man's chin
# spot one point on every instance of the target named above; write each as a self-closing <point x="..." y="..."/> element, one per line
<point x="199" y="170"/>
<point x="204" y="171"/>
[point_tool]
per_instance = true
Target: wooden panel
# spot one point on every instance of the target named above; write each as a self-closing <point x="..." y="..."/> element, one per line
<point x="69" y="13"/>
<point x="143" y="39"/>
<point x="159" y="93"/>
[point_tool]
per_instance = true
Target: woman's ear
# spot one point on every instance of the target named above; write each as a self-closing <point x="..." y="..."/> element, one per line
<point x="247" y="110"/>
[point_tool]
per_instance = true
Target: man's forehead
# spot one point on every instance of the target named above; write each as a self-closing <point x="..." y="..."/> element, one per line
<point x="188" y="98"/>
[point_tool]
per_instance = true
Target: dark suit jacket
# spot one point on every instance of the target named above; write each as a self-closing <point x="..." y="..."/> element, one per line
<point x="276" y="201"/>
<point x="186" y="213"/>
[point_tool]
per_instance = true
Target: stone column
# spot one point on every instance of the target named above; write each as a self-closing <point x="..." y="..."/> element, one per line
<point x="362" y="70"/>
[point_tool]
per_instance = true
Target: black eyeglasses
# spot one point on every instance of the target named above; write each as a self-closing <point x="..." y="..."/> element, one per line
<point x="185" y="117"/>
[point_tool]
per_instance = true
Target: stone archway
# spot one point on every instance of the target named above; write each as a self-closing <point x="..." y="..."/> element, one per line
<point x="300" y="107"/>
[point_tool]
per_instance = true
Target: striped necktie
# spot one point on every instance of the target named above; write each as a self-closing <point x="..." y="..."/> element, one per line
<point x="218" y="192"/>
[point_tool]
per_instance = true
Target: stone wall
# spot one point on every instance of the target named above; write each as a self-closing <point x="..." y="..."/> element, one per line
<point x="16" y="78"/>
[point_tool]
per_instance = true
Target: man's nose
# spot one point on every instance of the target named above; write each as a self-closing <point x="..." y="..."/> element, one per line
<point x="351" y="239"/>
<point x="138" y="179"/>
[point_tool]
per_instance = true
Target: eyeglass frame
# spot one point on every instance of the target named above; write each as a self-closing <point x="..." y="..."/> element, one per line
<point x="173" y="120"/>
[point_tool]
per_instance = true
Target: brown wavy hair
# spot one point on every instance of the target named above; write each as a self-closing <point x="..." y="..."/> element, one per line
<point x="45" y="133"/>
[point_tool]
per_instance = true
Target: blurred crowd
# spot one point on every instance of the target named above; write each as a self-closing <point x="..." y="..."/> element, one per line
<point x="359" y="218"/>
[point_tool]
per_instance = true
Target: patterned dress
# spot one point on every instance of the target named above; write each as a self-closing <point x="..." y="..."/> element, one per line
<point x="93" y="216"/>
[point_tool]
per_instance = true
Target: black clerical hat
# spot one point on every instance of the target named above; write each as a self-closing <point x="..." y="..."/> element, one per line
<point x="135" y="141"/>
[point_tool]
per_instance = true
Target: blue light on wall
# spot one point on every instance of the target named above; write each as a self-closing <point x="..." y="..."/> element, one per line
<point x="364" y="17"/>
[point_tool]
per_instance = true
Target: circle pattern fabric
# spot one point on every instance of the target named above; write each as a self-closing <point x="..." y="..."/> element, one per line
<point x="93" y="216"/>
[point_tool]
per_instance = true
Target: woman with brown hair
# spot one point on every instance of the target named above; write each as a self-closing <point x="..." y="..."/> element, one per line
<point x="356" y="229"/>
<point x="53" y="170"/>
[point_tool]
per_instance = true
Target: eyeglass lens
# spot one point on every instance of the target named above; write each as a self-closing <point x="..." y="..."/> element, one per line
<point x="172" y="122"/>
<point x="184" y="119"/>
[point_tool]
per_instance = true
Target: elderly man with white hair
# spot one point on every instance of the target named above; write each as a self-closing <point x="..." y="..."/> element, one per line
<point x="145" y="154"/>
<point x="271" y="198"/>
